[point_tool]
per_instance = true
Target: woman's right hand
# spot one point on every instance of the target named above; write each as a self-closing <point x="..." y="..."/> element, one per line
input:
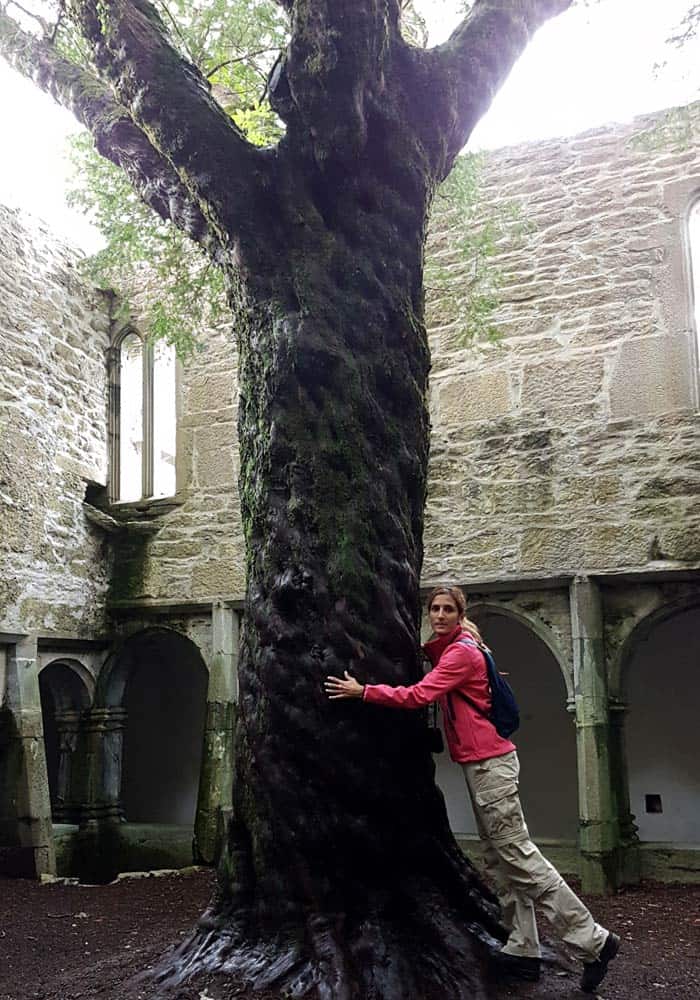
<point x="347" y="687"/>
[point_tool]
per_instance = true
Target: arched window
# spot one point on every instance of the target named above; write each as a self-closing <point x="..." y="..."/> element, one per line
<point x="142" y="419"/>
<point x="694" y="241"/>
<point x="164" y="420"/>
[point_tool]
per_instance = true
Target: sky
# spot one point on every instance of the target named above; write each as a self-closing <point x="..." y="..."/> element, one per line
<point x="590" y="66"/>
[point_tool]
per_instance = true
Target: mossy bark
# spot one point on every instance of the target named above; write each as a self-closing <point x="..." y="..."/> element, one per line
<point x="341" y="877"/>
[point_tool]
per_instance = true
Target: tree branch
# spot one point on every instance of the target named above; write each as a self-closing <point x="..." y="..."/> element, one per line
<point x="334" y="63"/>
<point x="468" y="69"/>
<point x="116" y="136"/>
<point x="171" y="101"/>
<point x="46" y="28"/>
<point x="239" y="59"/>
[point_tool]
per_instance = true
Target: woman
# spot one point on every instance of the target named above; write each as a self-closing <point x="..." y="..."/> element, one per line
<point x="518" y="870"/>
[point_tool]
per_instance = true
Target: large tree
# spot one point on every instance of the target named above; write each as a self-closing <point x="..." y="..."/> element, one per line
<point x="341" y="877"/>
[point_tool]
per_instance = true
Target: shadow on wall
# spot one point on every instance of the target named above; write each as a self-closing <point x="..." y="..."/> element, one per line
<point x="546" y="740"/>
<point x="165" y="702"/>
<point x="663" y="693"/>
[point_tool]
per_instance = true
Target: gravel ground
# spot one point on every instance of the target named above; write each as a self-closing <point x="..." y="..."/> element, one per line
<point x="68" y="942"/>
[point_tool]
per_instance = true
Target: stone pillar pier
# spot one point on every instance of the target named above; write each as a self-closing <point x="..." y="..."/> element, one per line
<point x="216" y="778"/>
<point x="26" y="832"/>
<point x="630" y="862"/>
<point x="598" y="823"/>
<point x="97" y="854"/>
<point x="105" y="737"/>
<point x="66" y="808"/>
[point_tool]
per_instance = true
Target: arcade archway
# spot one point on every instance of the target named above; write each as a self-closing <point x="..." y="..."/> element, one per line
<point x="662" y="690"/>
<point x="64" y="688"/>
<point x="546" y="740"/>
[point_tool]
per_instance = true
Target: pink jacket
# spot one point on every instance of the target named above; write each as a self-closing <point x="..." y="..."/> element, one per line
<point x="470" y="735"/>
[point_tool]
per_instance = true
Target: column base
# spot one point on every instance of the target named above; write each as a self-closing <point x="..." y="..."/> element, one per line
<point x="599" y="873"/>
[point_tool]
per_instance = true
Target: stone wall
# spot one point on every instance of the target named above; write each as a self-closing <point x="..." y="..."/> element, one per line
<point x="54" y="334"/>
<point x="197" y="553"/>
<point x="568" y="446"/>
<point x="571" y="445"/>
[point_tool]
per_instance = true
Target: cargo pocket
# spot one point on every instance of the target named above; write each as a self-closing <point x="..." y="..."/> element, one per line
<point x="500" y="812"/>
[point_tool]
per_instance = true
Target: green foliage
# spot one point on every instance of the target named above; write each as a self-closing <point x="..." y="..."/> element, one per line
<point x="158" y="273"/>
<point x="155" y="269"/>
<point x="674" y="131"/>
<point x="677" y="128"/>
<point x="460" y="267"/>
<point x="169" y="282"/>
<point x="413" y="26"/>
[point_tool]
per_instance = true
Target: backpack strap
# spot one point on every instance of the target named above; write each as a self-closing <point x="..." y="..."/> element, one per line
<point x="480" y="711"/>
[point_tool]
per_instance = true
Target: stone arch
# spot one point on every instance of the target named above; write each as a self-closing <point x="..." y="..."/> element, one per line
<point x="639" y="632"/>
<point x="152" y="704"/>
<point x="533" y="624"/>
<point x="142" y="417"/>
<point x="546" y="740"/>
<point x="83" y="691"/>
<point x="659" y="686"/>
<point x="66" y="689"/>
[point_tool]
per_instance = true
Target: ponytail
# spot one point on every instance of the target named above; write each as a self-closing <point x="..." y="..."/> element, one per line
<point x="471" y="627"/>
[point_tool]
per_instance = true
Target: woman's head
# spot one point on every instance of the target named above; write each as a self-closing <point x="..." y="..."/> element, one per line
<point x="447" y="608"/>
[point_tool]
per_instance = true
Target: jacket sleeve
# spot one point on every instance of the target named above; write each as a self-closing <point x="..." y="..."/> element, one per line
<point x="453" y="669"/>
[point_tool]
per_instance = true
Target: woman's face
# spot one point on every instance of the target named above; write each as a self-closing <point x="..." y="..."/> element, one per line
<point x="444" y="614"/>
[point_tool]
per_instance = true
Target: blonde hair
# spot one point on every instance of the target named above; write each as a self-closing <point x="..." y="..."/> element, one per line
<point x="459" y="597"/>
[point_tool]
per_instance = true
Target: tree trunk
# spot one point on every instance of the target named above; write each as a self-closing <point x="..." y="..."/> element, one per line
<point x="342" y="878"/>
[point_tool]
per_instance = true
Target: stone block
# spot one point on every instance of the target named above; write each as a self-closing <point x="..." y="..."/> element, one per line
<point x="214" y="456"/>
<point x="218" y="577"/>
<point x="547" y="548"/>
<point x="210" y="391"/>
<point x="679" y="543"/>
<point x="459" y="399"/>
<point x="569" y="382"/>
<point x="651" y="376"/>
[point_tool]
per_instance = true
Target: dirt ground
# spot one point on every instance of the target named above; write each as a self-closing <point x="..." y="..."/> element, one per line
<point x="68" y="942"/>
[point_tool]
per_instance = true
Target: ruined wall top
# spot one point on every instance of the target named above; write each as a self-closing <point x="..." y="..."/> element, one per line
<point x="571" y="444"/>
<point x="568" y="446"/>
<point x="54" y="334"/>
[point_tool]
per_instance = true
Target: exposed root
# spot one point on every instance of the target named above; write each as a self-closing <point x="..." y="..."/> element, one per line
<point x="425" y="952"/>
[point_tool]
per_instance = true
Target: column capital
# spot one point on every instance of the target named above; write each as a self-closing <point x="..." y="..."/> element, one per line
<point x="107" y="717"/>
<point x="68" y="718"/>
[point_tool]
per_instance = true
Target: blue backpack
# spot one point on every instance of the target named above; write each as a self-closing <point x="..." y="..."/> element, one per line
<point x="504" y="713"/>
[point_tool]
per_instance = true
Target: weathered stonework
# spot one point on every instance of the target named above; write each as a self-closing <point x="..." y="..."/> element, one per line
<point x="571" y="444"/>
<point x="197" y="554"/>
<point x="564" y="493"/>
<point x="54" y="334"/>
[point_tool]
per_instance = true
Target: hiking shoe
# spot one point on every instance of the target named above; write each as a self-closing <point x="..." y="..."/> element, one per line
<point x="594" y="972"/>
<point x="518" y="966"/>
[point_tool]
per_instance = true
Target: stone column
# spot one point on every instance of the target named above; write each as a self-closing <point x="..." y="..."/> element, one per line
<point x="105" y="737"/>
<point x="216" y="778"/>
<point x="598" y="823"/>
<point x="98" y="846"/>
<point x="630" y="861"/>
<point x="26" y="829"/>
<point x="66" y="808"/>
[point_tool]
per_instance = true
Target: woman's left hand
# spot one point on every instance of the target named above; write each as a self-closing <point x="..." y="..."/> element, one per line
<point x="336" y="687"/>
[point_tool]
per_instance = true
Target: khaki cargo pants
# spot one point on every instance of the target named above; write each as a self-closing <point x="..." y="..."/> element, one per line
<point x="519" y="872"/>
